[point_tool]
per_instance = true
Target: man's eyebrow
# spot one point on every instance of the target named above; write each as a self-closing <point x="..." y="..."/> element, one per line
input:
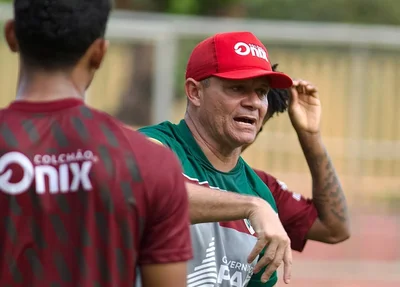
<point x="265" y="82"/>
<point x="234" y="82"/>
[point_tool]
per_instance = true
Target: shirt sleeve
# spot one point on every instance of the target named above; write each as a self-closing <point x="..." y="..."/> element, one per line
<point x="296" y="212"/>
<point x="166" y="237"/>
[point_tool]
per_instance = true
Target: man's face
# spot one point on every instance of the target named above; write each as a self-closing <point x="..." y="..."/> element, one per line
<point x="233" y="110"/>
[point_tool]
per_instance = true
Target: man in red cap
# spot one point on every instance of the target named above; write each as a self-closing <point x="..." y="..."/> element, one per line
<point x="228" y="78"/>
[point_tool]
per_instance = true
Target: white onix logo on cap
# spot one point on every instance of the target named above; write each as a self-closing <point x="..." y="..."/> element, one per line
<point x="244" y="49"/>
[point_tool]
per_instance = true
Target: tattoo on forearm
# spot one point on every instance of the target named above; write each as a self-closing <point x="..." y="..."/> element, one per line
<point x="328" y="195"/>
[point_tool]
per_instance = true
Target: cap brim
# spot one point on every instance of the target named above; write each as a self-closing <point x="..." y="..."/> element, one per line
<point x="277" y="80"/>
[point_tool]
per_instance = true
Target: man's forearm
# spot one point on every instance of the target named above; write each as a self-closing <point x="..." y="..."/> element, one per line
<point x="209" y="205"/>
<point x="328" y="195"/>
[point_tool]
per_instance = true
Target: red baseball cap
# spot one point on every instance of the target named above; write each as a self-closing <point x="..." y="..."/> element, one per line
<point x="235" y="56"/>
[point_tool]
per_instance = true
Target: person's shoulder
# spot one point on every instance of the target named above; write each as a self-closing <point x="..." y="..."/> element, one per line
<point x="157" y="162"/>
<point x="144" y="145"/>
<point x="124" y="131"/>
<point x="151" y="156"/>
<point x="99" y="116"/>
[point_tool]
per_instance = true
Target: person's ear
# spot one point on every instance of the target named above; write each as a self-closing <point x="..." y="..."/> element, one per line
<point x="9" y="34"/>
<point x="193" y="91"/>
<point x="97" y="52"/>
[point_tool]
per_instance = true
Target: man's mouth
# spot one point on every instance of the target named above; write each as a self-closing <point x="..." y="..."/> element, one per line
<point x="245" y="120"/>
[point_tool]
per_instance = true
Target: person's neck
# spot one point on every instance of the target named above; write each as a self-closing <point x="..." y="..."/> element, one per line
<point x="221" y="157"/>
<point x="41" y="86"/>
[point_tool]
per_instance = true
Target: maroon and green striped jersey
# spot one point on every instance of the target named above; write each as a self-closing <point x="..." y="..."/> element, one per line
<point x="84" y="200"/>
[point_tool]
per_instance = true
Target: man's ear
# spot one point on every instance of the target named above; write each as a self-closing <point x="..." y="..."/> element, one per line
<point x="9" y="34"/>
<point x="97" y="51"/>
<point x="193" y="91"/>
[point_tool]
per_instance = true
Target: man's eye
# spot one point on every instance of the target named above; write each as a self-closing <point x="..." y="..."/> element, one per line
<point x="237" y="88"/>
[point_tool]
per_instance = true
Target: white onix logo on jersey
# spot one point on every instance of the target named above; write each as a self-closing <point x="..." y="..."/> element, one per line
<point x="244" y="49"/>
<point x="57" y="174"/>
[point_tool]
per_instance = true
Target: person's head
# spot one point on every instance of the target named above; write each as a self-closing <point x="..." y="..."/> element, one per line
<point x="228" y="78"/>
<point x="59" y="35"/>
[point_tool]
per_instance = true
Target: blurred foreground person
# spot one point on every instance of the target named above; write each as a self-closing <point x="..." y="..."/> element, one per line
<point x="84" y="200"/>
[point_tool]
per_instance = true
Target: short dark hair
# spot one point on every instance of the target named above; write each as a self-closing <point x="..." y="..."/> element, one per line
<point x="54" y="34"/>
<point x="278" y="99"/>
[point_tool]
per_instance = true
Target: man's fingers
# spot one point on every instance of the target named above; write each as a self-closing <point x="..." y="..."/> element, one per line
<point x="304" y="87"/>
<point x="268" y="256"/>
<point x="287" y="267"/>
<point x="311" y="89"/>
<point x="256" y="250"/>
<point x="274" y="264"/>
<point x="300" y="89"/>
